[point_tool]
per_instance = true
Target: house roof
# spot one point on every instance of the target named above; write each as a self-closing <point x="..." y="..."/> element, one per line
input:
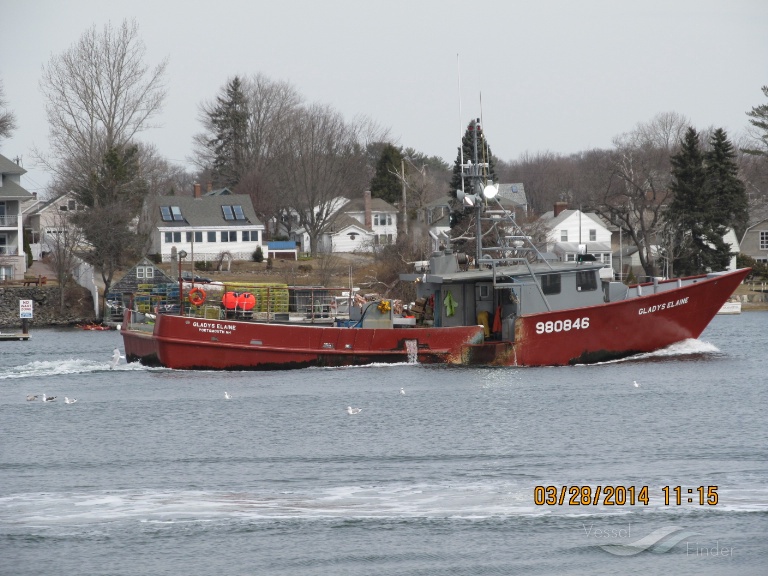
<point x="513" y="192"/>
<point x="12" y="191"/>
<point x="206" y="211"/>
<point x="9" y="167"/>
<point x="219" y="192"/>
<point x="358" y="205"/>
<point x="551" y="220"/>
<point x="343" y="221"/>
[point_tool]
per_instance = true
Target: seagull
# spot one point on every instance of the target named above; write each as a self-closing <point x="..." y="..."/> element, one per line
<point x="402" y="391"/>
<point x="635" y="383"/>
<point x="69" y="400"/>
<point x="48" y="398"/>
<point x="351" y="410"/>
<point x="31" y="397"/>
<point x="227" y="396"/>
<point x="115" y="358"/>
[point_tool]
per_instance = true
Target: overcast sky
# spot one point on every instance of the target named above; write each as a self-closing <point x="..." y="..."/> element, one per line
<point x="557" y="75"/>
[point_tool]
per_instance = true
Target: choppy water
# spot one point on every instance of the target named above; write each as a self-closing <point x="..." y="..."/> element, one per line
<point x="152" y="471"/>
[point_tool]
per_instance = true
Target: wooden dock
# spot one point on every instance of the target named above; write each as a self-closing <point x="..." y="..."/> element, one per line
<point x="7" y="336"/>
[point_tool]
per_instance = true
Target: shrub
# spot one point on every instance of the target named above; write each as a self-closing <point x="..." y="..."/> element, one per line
<point x="258" y="254"/>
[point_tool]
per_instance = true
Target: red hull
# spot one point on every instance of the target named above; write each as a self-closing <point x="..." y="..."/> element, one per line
<point x="139" y="346"/>
<point x="573" y="336"/>
<point x="190" y="343"/>
<point x="615" y="330"/>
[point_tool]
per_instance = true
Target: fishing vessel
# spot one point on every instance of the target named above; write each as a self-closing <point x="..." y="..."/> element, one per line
<point x="507" y="306"/>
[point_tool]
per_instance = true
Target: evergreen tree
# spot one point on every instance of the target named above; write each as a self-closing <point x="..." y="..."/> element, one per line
<point x="759" y="119"/>
<point x="230" y="144"/>
<point x="387" y="183"/>
<point x="468" y="153"/>
<point x="706" y="202"/>
<point x="728" y="192"/>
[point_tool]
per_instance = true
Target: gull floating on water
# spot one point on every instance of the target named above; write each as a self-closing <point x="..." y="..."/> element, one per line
<point x="31" y="397"/>
<point x="69" y="400"/>
<point x="402" y="390"/>
<point x="227" y="396"/>
<point x="48" y="398"/>
<point x="635" y="383"/>
<point x="351" y="410"/>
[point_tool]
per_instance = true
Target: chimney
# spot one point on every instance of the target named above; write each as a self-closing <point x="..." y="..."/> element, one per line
<point x="559" y="207"/>
<point x="367" y="200"/>
<point x="210" y="185"/>
<point x="197" y="190"/>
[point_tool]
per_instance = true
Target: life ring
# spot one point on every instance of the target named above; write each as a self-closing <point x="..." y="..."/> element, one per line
<point x="197" y="296"/>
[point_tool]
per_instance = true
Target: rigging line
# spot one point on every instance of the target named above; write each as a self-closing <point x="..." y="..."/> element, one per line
<point x="461" y="134"/>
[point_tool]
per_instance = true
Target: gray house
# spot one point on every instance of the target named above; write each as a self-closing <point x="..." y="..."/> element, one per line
<point x="13" y="262"/>
<point x="754" y="243"/>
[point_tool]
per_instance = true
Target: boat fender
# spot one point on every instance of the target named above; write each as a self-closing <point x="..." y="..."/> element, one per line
<point x="197" y="296"/>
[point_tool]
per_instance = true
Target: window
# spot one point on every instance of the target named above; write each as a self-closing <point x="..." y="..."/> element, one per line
<point x="563" y="235"/>
<point x="211" y="236"/>
<point x="196" y="236"/>
<point x="228" y="214"/>
<point x="250" y="236"/>
<point x="176" y="211"/>
<point x="238" y="212"/>
<point x="171" y="237"/>
<point x="763" y="240"/>
<point x="145" y="272"/>
<point x="229" y="235"/>
<point x="593" y="235"/>
<point x="382" y="219"/>
<point x="165" y="213"/>
<point x="586" y="280"/>
<point x="570" y="257"/>
<point x="550" y="283"/>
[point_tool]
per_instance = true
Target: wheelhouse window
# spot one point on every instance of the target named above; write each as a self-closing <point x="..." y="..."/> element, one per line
<point x="586" y="280"/>
<point x="550" y="283"/>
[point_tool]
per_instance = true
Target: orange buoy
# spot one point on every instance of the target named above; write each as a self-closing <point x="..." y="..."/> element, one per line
<point x="229" y="300"/>
<point x="246" y="301"/>
<point x="197" y="296"/>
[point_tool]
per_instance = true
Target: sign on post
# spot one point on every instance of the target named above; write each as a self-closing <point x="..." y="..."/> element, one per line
<point x="25" y="308"/>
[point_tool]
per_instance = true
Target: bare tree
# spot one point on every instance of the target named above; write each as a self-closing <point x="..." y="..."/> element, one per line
<point x="100" y="94"/>
<point x="63" y="240"/>
<point x="321" y="158"/>
<point x="7" y="119"/>
<point x="636" y="177"/>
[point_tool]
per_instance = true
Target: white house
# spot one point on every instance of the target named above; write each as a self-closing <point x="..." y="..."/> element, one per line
<point x="206" y="226"/>
<point x="359" y="225"/>
<point x="13" y="262"/>
<point x="573" y="231"/>
<point x="44" y="221"/>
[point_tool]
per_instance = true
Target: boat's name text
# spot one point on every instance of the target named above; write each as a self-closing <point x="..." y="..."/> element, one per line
<point x="665" y="306"/>
<point x="214" y="327"/>
<point x="566" y="325"/>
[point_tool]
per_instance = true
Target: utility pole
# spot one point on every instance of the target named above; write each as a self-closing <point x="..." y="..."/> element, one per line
<point x="405" y="211"/>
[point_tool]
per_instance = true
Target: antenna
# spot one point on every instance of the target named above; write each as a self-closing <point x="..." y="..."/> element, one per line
<point x="461" y="124"/>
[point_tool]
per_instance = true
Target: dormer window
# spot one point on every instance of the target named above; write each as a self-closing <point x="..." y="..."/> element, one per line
<point x="233" y="212"/>
<point x="171" y="213"/>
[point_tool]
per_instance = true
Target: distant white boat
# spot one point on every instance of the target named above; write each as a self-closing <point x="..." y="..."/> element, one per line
<point x="731" y="307"/>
